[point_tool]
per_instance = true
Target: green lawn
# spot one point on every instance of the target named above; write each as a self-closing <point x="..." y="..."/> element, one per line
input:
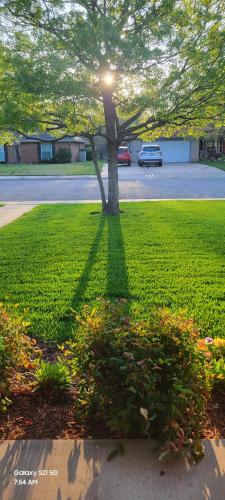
<point x="217" y="163"/>
<point x="156" y="253"/>
<point x="78" y="168"/>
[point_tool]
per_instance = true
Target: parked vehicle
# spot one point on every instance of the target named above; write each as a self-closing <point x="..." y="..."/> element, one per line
<point x="150" y="153"/>
<point x="124" y="156"/>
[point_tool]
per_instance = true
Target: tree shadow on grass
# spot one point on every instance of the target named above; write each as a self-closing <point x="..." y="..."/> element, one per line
<point x="78" y="298"/>
<point x="117" y="281"/>
<point x="116" y="273"/>
<point x="117" y="284"/>
<point x="84" y="279"/>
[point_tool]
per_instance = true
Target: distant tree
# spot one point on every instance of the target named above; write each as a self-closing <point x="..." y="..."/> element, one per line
<point x="119" y="69"/>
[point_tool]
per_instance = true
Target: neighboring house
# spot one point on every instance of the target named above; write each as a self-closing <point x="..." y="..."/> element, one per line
<point x="213" y="143"/>
<point x="101" y="148"/>
<point x="40" y="147"/>
<point x="174" y="149"/>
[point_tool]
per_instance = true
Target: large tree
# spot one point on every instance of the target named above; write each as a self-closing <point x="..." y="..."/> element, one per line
<point x="121" y="69"/>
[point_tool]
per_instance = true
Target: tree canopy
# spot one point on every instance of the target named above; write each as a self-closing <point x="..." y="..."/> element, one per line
<point x="119" y="69"/>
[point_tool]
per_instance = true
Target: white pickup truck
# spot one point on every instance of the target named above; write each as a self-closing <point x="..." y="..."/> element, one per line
<point x="150" y="153"/>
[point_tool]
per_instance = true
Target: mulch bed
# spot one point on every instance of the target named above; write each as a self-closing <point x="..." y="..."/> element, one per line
<point x="214" y="425"/>
<point x="41" y="415"/>
<point x="46" y="415"/>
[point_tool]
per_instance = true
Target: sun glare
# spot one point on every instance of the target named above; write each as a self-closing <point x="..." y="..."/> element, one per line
<point x="108" y="78"/>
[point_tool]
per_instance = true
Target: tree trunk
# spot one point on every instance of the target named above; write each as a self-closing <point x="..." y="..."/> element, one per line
<point x="98" y="173"/>
<point x="112" y="144"/>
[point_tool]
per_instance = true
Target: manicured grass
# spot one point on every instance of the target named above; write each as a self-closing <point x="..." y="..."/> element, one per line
<point x="217" y="163"/>
<point x="78" y="168"/>
<point x="156" y="253"/>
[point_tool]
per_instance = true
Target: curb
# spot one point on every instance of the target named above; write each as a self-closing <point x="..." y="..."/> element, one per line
<point x="43" y="177"/>
<point x="128" y="200"/>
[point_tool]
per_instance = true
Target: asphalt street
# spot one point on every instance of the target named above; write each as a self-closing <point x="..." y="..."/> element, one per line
<point x="173" y="180"/>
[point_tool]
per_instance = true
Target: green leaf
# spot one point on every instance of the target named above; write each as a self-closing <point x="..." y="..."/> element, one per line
<point x="132" y="389"/>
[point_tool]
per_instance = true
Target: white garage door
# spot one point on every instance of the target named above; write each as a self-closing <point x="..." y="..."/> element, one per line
<point x="175" y="151"/>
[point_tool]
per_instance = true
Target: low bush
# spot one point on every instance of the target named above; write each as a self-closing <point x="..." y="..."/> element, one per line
<point x="217" y="347"/>
<point x="141" y="378"/>
<point x="214" y="350"/>
<point x="89" y="155"/>
<point x="218" y="373"/>
<point x="53" y="376"/>
<point x="16" y="350"/>
<point x="63" y="155"/>
<point x="51" y="161"/>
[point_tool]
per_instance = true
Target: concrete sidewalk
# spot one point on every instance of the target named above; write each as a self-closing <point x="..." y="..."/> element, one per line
<point x="79" y="470"/>
<point x="11" y="212"/>
<point x="98" y="201"/>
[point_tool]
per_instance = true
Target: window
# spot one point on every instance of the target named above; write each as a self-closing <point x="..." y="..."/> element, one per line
<point x="151" y="148"/>
<point x="122" y="150"/>
<point x="2" y="153"/>
<point x="46" y="151"/>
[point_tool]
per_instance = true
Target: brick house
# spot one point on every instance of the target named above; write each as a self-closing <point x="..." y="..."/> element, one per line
<point x="40" y="148"/>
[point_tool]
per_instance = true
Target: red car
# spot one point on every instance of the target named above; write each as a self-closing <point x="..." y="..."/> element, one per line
<point x="124" y="156"/>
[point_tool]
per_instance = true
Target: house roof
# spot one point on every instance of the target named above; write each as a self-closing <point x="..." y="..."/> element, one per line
<point x="46" y="137"/>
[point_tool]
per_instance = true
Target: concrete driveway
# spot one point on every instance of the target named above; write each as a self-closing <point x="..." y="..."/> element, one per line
<point x="173" y="180"/>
